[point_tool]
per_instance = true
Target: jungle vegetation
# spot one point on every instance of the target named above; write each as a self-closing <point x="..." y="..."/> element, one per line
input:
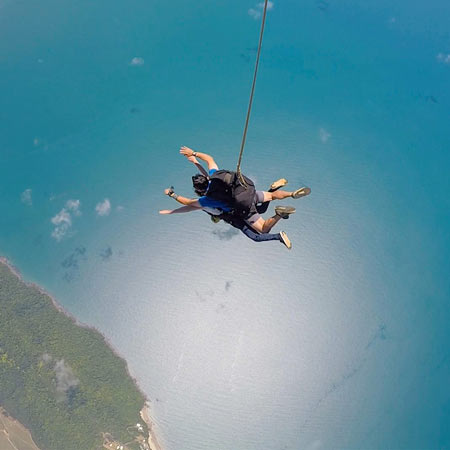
<point x="59" y="379"/>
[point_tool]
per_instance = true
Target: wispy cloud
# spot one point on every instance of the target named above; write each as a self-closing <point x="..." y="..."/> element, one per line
<point x="443" y="58"/>
<point x="324" y="135"/>
<point x="65" y="379"/>
<point x="46" y="358"/>
<point x="74" y="207"/>
<point x="269" y="5"/>
<point x="103" y="208"/>
<point x="254" y="13"/>
<point x="63" y="220"/>
<point x="26" y="198"/>
<point x="137" y="61"/>
<point x="257" y="11"/>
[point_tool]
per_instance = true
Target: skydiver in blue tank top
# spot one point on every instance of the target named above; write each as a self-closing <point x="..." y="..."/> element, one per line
<point x="254" y="227"/>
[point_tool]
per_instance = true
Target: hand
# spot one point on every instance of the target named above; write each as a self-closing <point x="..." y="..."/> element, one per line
<point x="186" y="151"/>
<point x="165" y="211"/>
<point x="168" y="191"/>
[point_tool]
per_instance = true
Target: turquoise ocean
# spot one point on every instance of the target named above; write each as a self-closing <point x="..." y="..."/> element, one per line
<point x="343" y="342"/>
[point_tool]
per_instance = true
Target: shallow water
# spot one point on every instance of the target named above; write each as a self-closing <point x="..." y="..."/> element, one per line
<point x="340" y="343"/>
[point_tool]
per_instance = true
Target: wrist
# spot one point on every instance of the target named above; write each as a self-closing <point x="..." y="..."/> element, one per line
<point x="174" y="196"/>
<point x="194" y="153"/>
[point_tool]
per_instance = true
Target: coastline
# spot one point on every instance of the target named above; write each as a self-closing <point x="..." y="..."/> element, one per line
<point x="145" y="411"/>
<point x="6" y="262"/>
<point x="146" y="417"/>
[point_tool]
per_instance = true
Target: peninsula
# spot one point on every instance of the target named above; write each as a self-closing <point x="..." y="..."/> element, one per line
<point x="62" y="380"/>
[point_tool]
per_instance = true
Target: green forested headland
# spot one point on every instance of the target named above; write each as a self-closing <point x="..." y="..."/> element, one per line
<point x="61" y="380"/>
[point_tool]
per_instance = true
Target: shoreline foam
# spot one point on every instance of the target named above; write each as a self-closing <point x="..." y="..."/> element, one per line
<point x="145" y="411"/>
<point x="146" y="417"/>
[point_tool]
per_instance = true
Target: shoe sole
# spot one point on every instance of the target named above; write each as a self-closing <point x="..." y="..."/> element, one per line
<point x="302" y="192"/>
<point x="278" y="184"/>
<point x="285" y="240"/>
<point x="284" y="210"/>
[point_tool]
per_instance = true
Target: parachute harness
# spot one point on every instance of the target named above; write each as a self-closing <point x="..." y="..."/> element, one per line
<point x="244" y="136"/>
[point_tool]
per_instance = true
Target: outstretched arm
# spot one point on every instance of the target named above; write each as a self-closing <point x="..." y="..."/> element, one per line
<point x="194" y="161"/>
<point x="186" y="151"/>
<point x="183" y="200"/>
<point x="182" y="209"/>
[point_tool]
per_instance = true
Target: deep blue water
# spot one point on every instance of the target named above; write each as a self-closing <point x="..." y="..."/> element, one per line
<point x="342" y="342"/>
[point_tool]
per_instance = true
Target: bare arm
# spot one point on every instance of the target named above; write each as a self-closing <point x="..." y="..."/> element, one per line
<point x="187" y="201"/>
<point x="200" y="168"/>
<point x="183" y="200"/>
<point x="182" y="209"/>
<point x="186" y="151"/>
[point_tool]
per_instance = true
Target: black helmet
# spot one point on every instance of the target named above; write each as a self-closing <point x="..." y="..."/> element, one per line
<point x="200" y="184"/>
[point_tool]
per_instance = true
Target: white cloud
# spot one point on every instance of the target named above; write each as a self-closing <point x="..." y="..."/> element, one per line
<point x="74" y="206"/>
<point x="26" y="198"/>
<point x="257" y="11"/>
<point x="65" y="379"/>
<point x="137" y="61"/>
<point x="103" y="208"/>
<point x="444" y="58"/>
<point x="54" y="197"/>
<point x="46" y="358"/>
<point x="254" y="13"/>
<point x="63" y="220"/>
<point x="324" y="135"/>
<point x="269" y="5"/>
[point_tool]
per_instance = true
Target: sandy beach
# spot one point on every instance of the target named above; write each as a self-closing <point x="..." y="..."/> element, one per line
<point x="152" y="440"/>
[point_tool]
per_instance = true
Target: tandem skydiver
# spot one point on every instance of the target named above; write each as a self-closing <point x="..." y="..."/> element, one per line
<point x="252" y="225"/>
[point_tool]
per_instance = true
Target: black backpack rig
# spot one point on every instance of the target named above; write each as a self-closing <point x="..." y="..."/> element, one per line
<point x="227" y="187"/>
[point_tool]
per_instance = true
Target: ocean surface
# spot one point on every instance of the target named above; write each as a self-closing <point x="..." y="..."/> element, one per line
<point x="343" y="342"/>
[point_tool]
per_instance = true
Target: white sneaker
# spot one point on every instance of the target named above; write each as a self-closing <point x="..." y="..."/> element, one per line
<point x="278" y="184"/>
<point x="285" y="240"/>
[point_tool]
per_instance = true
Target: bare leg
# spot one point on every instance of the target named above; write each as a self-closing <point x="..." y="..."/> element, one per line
<point x="280" y="195"/>
<point x="264" y="226"/>
<point x="277" y="195"/>
<point x="263" y="207"/>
